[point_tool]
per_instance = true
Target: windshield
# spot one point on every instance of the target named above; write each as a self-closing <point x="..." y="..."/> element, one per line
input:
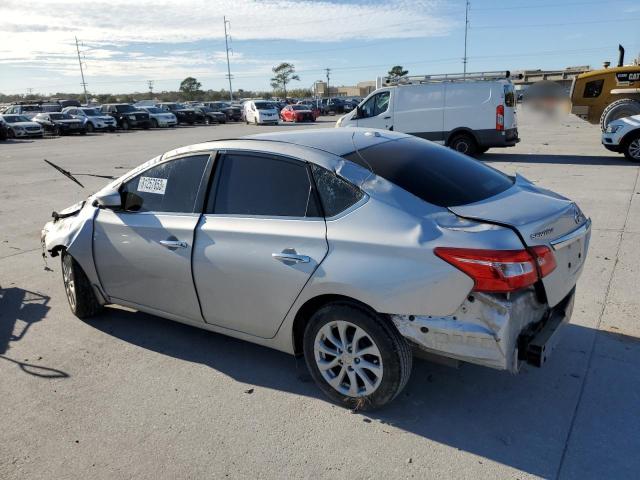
<point x="300" y="107"/>
<point x="125" y="108"/>
<point x="263" y="105"/>
<point x="433" y="173"/>
<point x="59" y="116"/>
<point x="91" y="112"/>
<point x="153" y="109"/>
<point x="31" y="108"/>
<point x="15" y="118"/>
<point x="51" y="108"/>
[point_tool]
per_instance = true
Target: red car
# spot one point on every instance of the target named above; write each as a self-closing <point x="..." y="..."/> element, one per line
<point x="297" y="113"/>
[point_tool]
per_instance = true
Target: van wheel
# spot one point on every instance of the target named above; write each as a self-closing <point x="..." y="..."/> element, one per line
<point x="82" y="299"/>
<point x="632" y="148"/>
<point x="357" y="357"/>
<point x="464" y="143"/>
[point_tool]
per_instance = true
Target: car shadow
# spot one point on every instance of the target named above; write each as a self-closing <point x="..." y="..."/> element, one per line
<point x="541" y="158"/>
<point x="521" y="421"/>
<point x="19" y="310"/>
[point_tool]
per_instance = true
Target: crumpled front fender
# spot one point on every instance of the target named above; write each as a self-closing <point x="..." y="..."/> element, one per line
<point x="72" y="230"/>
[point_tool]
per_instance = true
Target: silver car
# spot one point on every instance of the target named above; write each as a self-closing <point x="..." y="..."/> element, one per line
<point x="357" y="248"/>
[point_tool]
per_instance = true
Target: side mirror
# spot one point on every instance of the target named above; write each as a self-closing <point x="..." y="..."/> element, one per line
<point x="109" y="199"/>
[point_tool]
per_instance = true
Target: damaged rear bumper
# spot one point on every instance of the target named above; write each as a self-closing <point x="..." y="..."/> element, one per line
<point x="495" y="331"/>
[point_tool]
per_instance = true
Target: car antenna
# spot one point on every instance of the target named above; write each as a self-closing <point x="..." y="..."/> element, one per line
<point x="71" y="176"/>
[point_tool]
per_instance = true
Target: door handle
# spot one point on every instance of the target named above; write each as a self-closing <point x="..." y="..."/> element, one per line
<point x="173" y="243"/>
<point x="386" y="118"/>
<point x="290" y="258"/>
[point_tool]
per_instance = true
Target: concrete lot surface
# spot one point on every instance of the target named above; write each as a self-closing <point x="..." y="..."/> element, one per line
<point x="128" y="395"/>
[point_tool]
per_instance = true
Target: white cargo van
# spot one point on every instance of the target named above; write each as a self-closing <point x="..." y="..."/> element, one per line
<point x="469" y="113"/>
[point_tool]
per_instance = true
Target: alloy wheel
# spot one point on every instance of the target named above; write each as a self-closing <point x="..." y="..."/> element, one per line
<point x="348" y="359"/>
<point x="634" y="149"/>
<point x="69" y="282"/>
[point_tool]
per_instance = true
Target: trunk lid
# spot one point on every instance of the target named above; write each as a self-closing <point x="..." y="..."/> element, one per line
<point x="540" y="217"/>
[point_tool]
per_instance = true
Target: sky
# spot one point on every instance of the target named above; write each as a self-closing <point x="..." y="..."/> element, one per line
<point x="126" y="43"/>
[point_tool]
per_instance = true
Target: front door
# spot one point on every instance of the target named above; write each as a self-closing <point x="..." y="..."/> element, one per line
<point x="376" y="112"/>
<point x="261" y="238"/>
<point x="143" y="251"/>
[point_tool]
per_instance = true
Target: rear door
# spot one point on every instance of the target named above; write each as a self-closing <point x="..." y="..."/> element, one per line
<point x="259" y="241"/>
<point x="143" y="252"/>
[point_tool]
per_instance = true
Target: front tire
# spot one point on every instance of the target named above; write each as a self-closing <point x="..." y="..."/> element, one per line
<point x="357" y="358"/>
<point x="90" y="128"/>
<point x="632" y="148"/>
<point x="154" y="123"/>
<point x="82" y="300"/>
<point x="125" y="125"/>
<point x="624" y="107"/>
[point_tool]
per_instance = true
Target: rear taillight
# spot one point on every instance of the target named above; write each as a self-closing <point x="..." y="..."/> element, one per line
<point x="500" y="117"/>
<point x="500" y="270"/>
<point x="545" y="260"/>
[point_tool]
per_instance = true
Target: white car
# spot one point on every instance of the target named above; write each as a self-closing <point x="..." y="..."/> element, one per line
<point x="159" y="117"/>
<point x="260" y="112"/>
<point x="623" y="136"/>
<point x="19" y="126"/>
<point x="469" y="113"/>
<point x="93" y="118"/>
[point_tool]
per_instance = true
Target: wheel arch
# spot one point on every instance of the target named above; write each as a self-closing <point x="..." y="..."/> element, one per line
<point x="629" y="135"/>
<point x="311" y="306"/>
<point x="457" y="131"/>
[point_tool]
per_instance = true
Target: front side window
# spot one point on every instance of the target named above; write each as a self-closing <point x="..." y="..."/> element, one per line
<point x="375" y="105"/>
<point x="593" y="89"/>
<point x="168" y="187"/>
<point x="336" y="194"/>
<point x="261" y="185"/>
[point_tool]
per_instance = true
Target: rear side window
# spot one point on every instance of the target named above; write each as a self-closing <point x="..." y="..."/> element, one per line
<point x="169" y="187"/>
<point x="261" y="185"/>
<point x="435" y="174"/>
<point x="593" y="89"/>
<point x="336" y="194"/>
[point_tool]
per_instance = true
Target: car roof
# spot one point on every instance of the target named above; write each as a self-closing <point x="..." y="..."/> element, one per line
<point x="337" y="141"/>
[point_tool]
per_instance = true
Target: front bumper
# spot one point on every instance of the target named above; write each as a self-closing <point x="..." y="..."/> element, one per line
<point x="491" y="330"/>
<point x="28" y="133"/>
<point x="611" y="141"/>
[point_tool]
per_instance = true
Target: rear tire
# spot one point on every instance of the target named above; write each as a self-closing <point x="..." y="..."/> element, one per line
<point x="378" y="362"/>
<point x="82" y="300"/>
<point x="464" y="143"/>
<point x="632" y="148"/>
<point x="625" y="107"/>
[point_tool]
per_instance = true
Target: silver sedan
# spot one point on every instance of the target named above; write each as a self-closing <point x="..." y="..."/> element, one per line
<point x="356" y="248"/>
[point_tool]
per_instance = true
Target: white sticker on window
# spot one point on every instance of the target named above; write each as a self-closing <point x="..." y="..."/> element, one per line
<point x="152" y="185"/>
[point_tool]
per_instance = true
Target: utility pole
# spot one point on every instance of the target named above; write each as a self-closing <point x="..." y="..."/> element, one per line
<point x="466" y="28"/>
<point x="150" y="83"/>
<point x="226" y="43"/>
<point x="328" y="70"/>
<point x="29" y="91"/>
<point x="84" y="84"/>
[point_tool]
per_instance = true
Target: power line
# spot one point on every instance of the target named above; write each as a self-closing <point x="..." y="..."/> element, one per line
<point x="562" y="24"/>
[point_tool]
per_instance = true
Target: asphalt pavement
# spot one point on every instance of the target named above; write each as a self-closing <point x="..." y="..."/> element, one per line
<point x="129" y="395"/>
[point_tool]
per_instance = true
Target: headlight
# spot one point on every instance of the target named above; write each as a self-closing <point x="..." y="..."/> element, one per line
<point x="613" y="128"/>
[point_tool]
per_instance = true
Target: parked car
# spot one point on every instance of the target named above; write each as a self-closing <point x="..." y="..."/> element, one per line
<point x="93" y="119"/>
<point x="233" y="112"/>
<point x="623" y="136"/>
<point x="315" y="107"/>
<point x="334" y="105"/>
<point x="297" y="113"/>
<point x="354" y="247"/>
<point x="19" y="126"/>
<point x="182" y="113"/>
<point x="127" y="116"/>
<point x="260" y="112"/>
<point x="4" y="130"/>
<point x="209" y="115"/>
<point x="160" y="117"/>
<point x="470" y="114"/>
<point x="25" y="110"/>
<point x="58" y="123"/>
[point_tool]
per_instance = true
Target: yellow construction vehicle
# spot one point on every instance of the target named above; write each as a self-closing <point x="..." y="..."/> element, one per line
<point x="601" y="96"/>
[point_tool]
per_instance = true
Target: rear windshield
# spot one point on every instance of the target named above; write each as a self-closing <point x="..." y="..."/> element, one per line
<point x="264" y="105"/>
<point x="435" y="174"/>
<point x="125" y="108"/>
